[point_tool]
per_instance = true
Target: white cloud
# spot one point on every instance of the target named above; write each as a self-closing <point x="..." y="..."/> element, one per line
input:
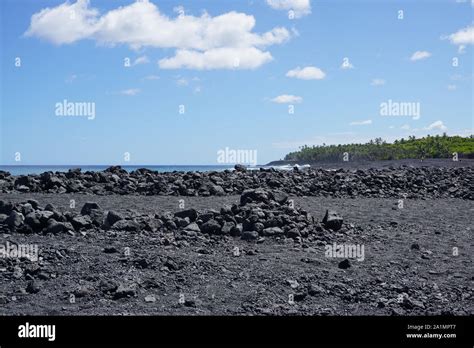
<point x="405" y="127"/>
<point x="130" y="92"/>
<point x="419" y="55"/>
<point x="361" y="123"/>
<point x="464" y="36"/>
<point x="141" y="60"/>
<point x="452" y="87"/>
<point x="65" y="23"/>
<point x="218" y="58"/>
<point x="437" y="125"/>
<point x="299" y="7"/>
<point x="378" y="82"/>
<point x="307" y="73"/>
<point x="287" y="99"/>
<point x="215" y="42"/>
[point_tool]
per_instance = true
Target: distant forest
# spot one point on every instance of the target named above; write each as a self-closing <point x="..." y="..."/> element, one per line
<point x="428" y="147"/>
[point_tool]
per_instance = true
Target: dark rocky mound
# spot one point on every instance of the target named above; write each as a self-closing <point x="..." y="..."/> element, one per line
<point x="403" y="181"/>
<point x="261" y="213"/>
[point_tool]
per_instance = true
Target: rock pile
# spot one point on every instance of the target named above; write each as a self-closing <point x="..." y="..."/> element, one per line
<point x="388" y="182"/>
<point x="261" y="213"/>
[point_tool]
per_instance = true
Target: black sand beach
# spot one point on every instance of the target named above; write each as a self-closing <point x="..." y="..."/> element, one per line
<point x="174" y="254"/>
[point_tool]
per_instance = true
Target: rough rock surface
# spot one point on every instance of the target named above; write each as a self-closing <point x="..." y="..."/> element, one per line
<point x="450" y="181"/>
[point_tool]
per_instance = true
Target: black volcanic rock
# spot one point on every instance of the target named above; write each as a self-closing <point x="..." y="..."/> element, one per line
<point x="332" y="220"/>
<point x="240" y="168"/>
<point x="393" y="182"/>
<point x="189" y="213"/>
<point x="344" y="264"/>
<point x="88" y="207"/>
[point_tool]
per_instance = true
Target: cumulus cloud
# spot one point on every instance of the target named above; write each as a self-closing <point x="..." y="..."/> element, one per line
<point x="419" y="55"/>
<point x="203" y="42"/>
<point x="438" y="125"/>
<point x="307" y="73"/>
<point x="287" y="99"/>
<point x="141" y="60"/>
<point x="76" y="22"/>
<point x="361" y="123"/>
<point x="218" y="58"/>
<point x="462" y="37"/>
<point x="299" y="7"/>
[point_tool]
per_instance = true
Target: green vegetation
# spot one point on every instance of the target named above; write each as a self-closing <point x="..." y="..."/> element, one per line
<point x="429" y="147"/>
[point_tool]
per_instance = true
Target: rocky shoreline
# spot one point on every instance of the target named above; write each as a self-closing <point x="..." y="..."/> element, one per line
<point x="238" y="242"/>
<point x="392" y="182"/>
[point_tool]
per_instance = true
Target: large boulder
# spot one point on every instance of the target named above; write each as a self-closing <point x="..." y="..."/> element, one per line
<point x="272" y="231"/>
<point x="33" y="220"/>
<point x="113" y="217"/>
<point x="6" y="208"/>
<point x="81" y="221"/>
<point x="126" y="225"/>
<point x="256" y="196"/>
<point x="88" y="207"/>
<point x="15" y="220"/>
<point x="188" y="213"/>
<point x="332" y="220"/>
<point x="211" y="227"/>
<point x="240" y="168"/>
<point x="55" y="227"/>
<point x="216" y="190"/>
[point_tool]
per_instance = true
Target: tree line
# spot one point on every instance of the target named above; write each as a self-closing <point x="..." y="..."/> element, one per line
<point x="443" y="146"/>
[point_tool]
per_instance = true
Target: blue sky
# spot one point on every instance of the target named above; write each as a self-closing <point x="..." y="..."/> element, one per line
<point x="236" y="79"/>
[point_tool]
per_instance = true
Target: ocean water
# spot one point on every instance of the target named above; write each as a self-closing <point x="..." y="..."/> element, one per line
<point x="38" y="169"/>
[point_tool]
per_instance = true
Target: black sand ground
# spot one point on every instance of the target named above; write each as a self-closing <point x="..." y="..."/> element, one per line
<point x="410" y="265"/>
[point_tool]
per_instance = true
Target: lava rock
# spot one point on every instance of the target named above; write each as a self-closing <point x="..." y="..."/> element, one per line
<point x="55" y="227"/>
<point x="249" y="235"/>
<point x="211" y="227"/>
<point x="344" y="264"/>
<point x="81" y="221"/>
<point x="15" y="220"/>
<point x="113" y="217"/>
<point x="272" y="231"/>
<point x="332" y="220"/>
<point x="188" y="213"/>
<point x="88" y="207"/>
<point x="258" y="195"/>
<point x="124" y="291"/>
<point x="32" y="287"/>
<point x="126" y="225"/>
<point x="240" y="168"/>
